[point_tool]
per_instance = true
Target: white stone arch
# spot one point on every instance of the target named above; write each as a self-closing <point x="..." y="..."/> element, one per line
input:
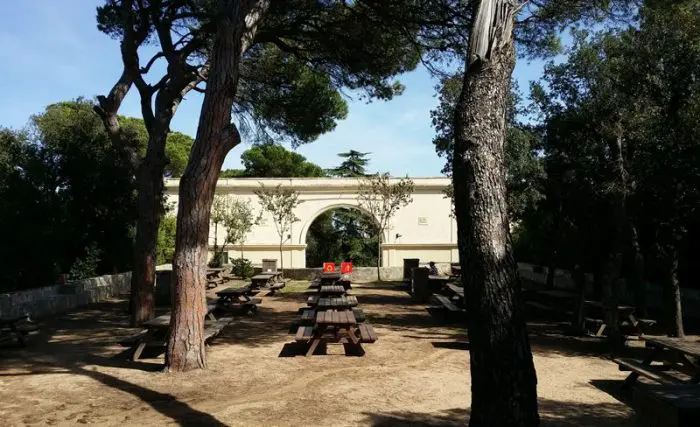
<point x="329" y="207"/>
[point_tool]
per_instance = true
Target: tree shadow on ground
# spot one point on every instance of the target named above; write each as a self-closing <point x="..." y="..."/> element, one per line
<point x="552" y="413"/>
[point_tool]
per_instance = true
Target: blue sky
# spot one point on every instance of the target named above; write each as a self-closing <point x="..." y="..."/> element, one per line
<point x="51" y="51"/>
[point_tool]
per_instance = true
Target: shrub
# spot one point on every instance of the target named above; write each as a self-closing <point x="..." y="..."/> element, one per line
<point x="242" y="267"/>
<point x="86" y="266"/>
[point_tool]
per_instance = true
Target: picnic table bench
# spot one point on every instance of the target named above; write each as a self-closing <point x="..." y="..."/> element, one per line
<point x="674" y="354"/>
<point x="158" y="328"/>
<point x="215" y="277"/>
<point x="332" y="290"/>
<point x="668" y="405"/>
<point x="16" y="328"/>
<point x="238" y="298"/>
<point x="453" y="303"/>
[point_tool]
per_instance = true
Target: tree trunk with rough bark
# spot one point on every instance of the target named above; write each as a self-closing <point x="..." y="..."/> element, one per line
<point x="216" y="136"/>
<point x="672" y="293"/>
<point x="379" y="260"/>
<point x="504" y="383"/>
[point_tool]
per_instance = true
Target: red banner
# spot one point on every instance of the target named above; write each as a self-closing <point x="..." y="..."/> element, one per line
<point x="328" y="267"/>
<point x="346" y="267"/>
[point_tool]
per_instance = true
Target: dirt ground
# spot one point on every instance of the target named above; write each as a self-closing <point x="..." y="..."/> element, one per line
<point x="75" y="372"/>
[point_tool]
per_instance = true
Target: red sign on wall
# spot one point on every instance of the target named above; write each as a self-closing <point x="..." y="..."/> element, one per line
<point x="346" y="267"/>
<point x="328" y="267"/>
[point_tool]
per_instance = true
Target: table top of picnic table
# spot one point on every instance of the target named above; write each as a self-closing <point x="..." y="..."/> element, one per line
<point x="690" y="347"/>
<point x="330" y="275"/>
<point x="215" y="269"/>
<point x="264" y="276"/>
<point x="441" y="278"/>
<point x="599" y="304"/>
<point x="6" y="320"/>
<point x="340" y="302"/>
<point x="558" y="293"/>
<point x="332" y="289"/>
<point x="234" y="291"/>
<point x="158" y="322"/>
<point x="456" y="289"/>
<point x="333" y="317"/>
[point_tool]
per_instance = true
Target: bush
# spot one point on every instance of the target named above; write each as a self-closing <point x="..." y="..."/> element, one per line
<point x="86" y="267"/>
<point x="165" y="247"/>
<point x="217" y="261"/>
<point x="242" y="267"/>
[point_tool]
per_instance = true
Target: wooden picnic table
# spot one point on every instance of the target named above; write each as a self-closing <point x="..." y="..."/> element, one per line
<point x="457" y="290"/>
<point x="16" y="328"/>
<point x="332" y="289"/>
<point x="266" y="279"/>
<point x="236" y="298"/>
<point x="158" y="328"/>
<point x="674" y="354"/>
<point x="626" y="313"/>
<point x="330" y="277"/>
<point x="337" y="327"/>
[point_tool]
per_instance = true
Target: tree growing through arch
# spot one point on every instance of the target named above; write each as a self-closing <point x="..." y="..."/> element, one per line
<point x="382" y="199"/>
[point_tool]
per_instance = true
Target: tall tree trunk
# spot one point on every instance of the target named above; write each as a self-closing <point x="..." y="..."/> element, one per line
<point x="579" y="275"/>
<point x="379" y="259"/>
<point x="281" y="256"/>
<point x="504" y="383"/>
<point x="216" y="136"/>
<point x="635" y="278"/>
<point x="150" y="208"/>
<point x="672" y="292"/>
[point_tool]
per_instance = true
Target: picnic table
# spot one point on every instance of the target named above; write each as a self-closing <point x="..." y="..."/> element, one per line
<point x="214" y="277"/>
<point x="338" y="326"/>
<point x="626" y="316"/>
<point x="236" y="298"/>
<point x="158" y="328"/>
<point x="16" y="328"/>
<point x="674" y="354"/>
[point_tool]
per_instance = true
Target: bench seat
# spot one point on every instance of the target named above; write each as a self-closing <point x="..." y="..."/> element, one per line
<point x="447" y="303"/>
<point x="304" y="333"/>
<point x="625" y="364"/>
<point x="359" y="315"/>
<point x="307" y="316"/>
<point x="367" y="334"/>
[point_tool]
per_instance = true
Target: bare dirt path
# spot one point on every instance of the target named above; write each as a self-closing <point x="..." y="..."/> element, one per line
<point x="74" y="372"/>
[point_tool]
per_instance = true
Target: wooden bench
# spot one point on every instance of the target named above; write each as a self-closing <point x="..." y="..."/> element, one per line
<point x="213" y="329"/>
<point x="664" y="405"/>
<point x="367" y="334"/>
<point x="638" y="368"/>
<point x="312" y="300"/>
<point x="304" y="333"/>
<point x="275" y="287"/>
<point x="359" y="315"/>
<point x="447" y="303"/>
<point x="307" y="316"/>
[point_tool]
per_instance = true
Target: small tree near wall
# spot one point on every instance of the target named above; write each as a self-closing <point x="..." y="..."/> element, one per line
<point x="236" y="215"/>
<point x="382" y="199"/>
<point x="280" y="203"/>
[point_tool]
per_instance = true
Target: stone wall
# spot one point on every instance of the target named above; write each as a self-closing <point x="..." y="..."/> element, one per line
<point x="41" y="302"/>
<point x="359" y="274"/>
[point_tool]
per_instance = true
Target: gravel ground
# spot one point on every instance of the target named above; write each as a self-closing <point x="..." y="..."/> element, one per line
<point x="74" y="372"/>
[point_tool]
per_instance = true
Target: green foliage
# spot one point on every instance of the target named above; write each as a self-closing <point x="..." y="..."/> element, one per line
<point x="342" y="235"/>
<point x="635" y="87"/>
<point x="177" y="145"/>
<point x="274" y="161"/>
<point x="237" y="217"/>
<point x="242" y="267"/>
<point x="86" y="266"/>
<point x="165" y="247"/>
<point x="280" y="203"/>
<point x="353" y="165"/>
<point x="525" y="167"/>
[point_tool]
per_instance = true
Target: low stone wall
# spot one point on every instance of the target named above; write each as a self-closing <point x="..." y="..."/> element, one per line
<point x="40" y="302"/>
<point x="359" y="274"/>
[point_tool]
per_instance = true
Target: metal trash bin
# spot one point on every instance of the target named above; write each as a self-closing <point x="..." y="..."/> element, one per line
<point x="408" y="265"/>
<point x="420" y="284"/>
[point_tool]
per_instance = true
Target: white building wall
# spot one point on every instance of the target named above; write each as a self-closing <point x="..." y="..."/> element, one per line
<point x="425" y="227"/>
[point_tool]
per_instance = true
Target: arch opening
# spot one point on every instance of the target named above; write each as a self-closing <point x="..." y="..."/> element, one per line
<point x="342" y="233"/>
